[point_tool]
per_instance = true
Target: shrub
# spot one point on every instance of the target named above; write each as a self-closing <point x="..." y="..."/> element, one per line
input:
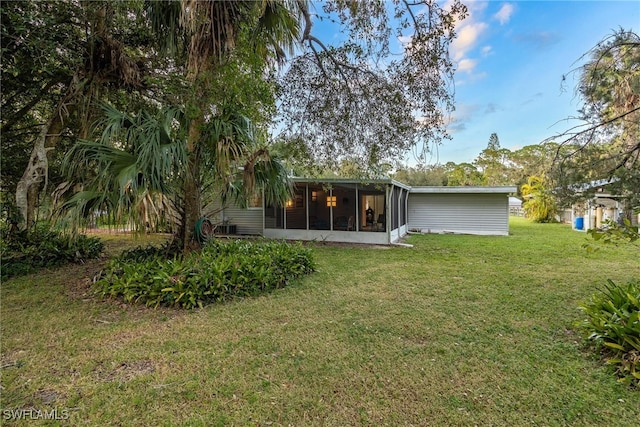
<point x="613" y="327"/>
<point x="24" y="252"/>
<point x="221" y="271"/>
<point x="168" y="249"/>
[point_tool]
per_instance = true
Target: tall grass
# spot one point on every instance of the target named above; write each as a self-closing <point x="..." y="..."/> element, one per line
<point x="458" y="330"/>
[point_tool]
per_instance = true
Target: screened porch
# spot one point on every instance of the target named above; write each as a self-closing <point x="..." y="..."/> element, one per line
<point x="341" y="210"/>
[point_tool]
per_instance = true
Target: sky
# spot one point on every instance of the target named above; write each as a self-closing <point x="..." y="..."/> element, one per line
<point x="511" y="57"/>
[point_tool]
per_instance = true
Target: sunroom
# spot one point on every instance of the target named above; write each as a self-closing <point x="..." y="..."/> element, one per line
<point x="341" y="210"/>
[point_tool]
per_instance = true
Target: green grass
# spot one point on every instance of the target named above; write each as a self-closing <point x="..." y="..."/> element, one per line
<point x="459" y="330"/>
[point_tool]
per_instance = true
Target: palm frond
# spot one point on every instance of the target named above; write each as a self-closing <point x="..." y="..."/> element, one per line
<point x="278" y="29"/>
<point x="272" y="179"/>
<point x="133" y="169"/>
<point x="165" y="19"/>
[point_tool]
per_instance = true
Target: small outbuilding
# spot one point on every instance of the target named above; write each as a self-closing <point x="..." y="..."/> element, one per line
<point x="515" y="206"/>
<point x="466" y="210"/>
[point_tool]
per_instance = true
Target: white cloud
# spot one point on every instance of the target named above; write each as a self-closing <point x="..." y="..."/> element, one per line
<point x="487" y="50"/>
<point x="540" y="40"/>
<point x="469" y="33"/>
<point x="469" y="78"/>
<point x="464" y="113"/>
<point x="467" y="65"/>
<point x="504" y="14"/>
<point x="466" y="39"/>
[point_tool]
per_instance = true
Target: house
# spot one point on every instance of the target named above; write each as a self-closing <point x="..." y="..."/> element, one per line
<point x="515" y="206"/>
<point x="599" y="205"/>
<point x="379" y="211"/>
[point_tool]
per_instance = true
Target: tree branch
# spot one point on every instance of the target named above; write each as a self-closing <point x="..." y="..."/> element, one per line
<point x="18" y="115"/>
<point x="311" y="40"/>
<point x="590" y="129"/>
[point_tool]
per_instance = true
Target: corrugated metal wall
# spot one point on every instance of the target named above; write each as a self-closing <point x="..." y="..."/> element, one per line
<point x="247" y="221"/>
<point x="459" y="213"/>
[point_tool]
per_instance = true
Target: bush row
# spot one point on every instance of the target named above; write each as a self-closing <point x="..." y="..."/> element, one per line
<point x="24" y="252"/>
<point x="221" y="271"/>
<point x="613" y="326"/>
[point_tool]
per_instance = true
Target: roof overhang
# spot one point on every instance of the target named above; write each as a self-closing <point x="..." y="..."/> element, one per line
<point x="507" y="189"/>
<point x="363" y="181"/>
<point x="465" y="190"/>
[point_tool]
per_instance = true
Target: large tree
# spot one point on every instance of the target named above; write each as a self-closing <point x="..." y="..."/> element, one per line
<point x="135" y="172"/>
<point x="606" y="141"/>
<point x="380" y="89"/>
<point x="463" y="174"/>
<point x="407" y="96"/>
<point x="58" y="58"/>
<point x="356" y="99"/>
<point x="494" y="163"/>
<point x="209" y="36"/>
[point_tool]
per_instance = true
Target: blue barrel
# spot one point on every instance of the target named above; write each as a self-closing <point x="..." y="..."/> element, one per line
<point x="579" y="223"/>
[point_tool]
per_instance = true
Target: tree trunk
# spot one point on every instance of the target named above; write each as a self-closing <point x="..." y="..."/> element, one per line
<point x="192" y="196"/>
<point x="36" y="172"/>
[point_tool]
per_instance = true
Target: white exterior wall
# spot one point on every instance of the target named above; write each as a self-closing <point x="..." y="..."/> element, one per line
<point x="482" y="213"/>
<point x="247" y="221"/>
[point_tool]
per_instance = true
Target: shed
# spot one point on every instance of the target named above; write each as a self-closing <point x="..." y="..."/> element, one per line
<point x="515" y="206"/>
<point x="514" y="202"/>
<point x="465" y="210"/>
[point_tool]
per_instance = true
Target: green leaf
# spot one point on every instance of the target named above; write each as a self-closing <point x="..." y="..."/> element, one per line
<point x="614" y="346"/>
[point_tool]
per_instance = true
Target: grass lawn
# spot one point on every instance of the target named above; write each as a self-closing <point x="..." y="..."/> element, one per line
<point x="456" y="331"/>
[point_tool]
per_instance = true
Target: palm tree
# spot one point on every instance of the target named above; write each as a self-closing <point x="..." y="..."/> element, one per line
<point x="131" y="172"/>
<point x="204" y="33"/>
<point x="539" y="204"/>
<point x="135" y="171"/>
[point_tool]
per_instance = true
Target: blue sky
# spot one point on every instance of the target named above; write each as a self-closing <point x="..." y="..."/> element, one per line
<point x="511" y="57"/>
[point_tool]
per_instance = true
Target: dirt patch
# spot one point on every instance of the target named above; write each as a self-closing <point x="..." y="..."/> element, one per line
<point x="126" y="371"/>
<point x="80" y="277"/>
<point x="48" y="396"/>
